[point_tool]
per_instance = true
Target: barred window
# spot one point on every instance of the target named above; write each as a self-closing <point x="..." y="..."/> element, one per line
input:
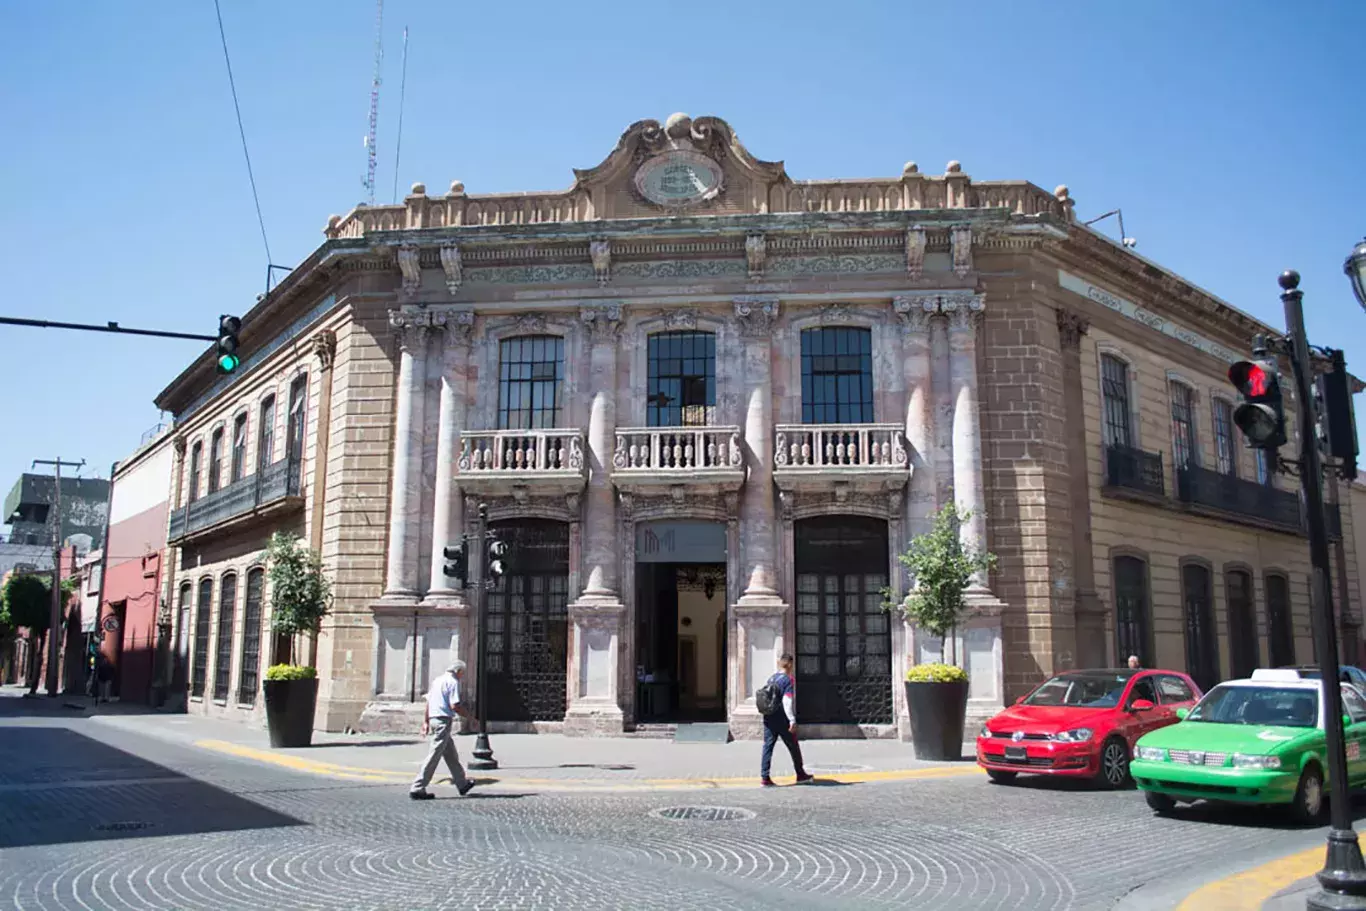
<point x="222" y="666"/>
<point x="1183" y="424"/>
<point x="265" y="435"/>
<point x="215" y="460"/>
<point x="1133" y="610"/>
<point x="298" y="402"/>
<point x="199" y="671"/>
<point x="251" y="638"/>
<point x="196" y="458"/>
<point x="1280" y="628"/>
<point x="239" y="447"/>
<point x="531" y="370"/>
<point x="1264" y="467"/>
<point x="682" y="379"/>
<point x="1114" y="381"/>
<point x="837" y="376"/>
<point x="1223" y="437"/>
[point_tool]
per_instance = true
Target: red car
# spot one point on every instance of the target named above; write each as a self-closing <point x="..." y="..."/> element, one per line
<point x="1083" y="724"/>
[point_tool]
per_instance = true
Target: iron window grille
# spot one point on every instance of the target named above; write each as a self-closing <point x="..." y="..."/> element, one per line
<point x="227" y="608"/>
<point x="1223" y="438"/>
<point x="298" y="401"/>
<point x="1242" y="624"/>
<point x="1264" y="467"/>
<point x="1183" y="424"/>
<point x="1133" y="611"/>
<point x="682" y="379"/>
<point x="265" y="440"/>
<point x="199" y="672"/>
<point x="1115" y="392"/>
<point x="196" y="457"/>
<point x="1202" y="647"/>
<point x="239" y="447"/>
<point x="837" y="376"/>
<point x="530" y="375"/>
<point x="249" y="675"/>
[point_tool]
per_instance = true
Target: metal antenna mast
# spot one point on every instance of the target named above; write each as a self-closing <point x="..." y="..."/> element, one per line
<point x="374" y="104"/>
<point x="402" y="91"/>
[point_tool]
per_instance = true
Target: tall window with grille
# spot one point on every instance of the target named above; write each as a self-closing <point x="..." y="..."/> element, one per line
<point x="199" y="669"/>
<point x="682" y="379"/>
<point x="530" y="375"/>
<point x="1280" y="629"/>
<point x="215" y="460"/>
<point x="249" y="675"/>
<point x="1223" y="438"/>
<point x="227" y="611"/>
<point x="1183" y="424"/>
<point x="294" y="431"/>
<point x="196" y="460"/>
<point x="1264" y="467"/>
<point x="1133" y="611"/>
<point x="239" y="447"/>
<point x="837" y="376"/>
<point x="1114" y="381"/>
<point x="265" y="434"/>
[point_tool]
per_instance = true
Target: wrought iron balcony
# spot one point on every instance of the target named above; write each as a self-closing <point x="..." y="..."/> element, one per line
<point x="1134" y="471"/>
<point x="1210" y="492"/>
<point x="276" y="486"/>
<point x="813" y="455"/>
<point x="707" y="458"/>
<point x="496" y="461"/>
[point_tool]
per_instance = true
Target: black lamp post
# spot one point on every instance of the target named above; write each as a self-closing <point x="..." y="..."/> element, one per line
<point x="1355" y="267"/>
<point x="483" y="580"/>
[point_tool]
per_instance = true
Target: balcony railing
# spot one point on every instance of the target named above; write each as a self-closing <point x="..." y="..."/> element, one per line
<point x="823" y="447"/>
<point x="270" y="485"/>
<point x="677" y="449"/>
<point x="499" y="461"/>
<point x="1204" y="488"/>
<point x="1127" y="468"/>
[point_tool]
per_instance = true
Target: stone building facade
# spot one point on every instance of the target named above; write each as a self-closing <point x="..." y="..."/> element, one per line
<point x="707" y="405"/>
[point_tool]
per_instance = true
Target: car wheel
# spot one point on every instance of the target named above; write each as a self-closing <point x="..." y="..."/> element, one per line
<point x="1001" y="777"/>
<point x="1114" y="763"/>
<point x="1159" y="803"/>
<point x="1307" y="807"/>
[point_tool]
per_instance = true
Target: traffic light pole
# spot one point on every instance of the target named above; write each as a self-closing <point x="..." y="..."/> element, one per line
<point x="1343" y="877"/>
<point x="483" y="751"/>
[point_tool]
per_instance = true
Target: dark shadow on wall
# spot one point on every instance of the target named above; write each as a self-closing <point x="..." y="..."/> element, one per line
<point x="61" y="787"/>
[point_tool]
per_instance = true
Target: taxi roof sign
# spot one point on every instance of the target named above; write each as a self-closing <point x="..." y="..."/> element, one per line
<point x="1277" y="675"/>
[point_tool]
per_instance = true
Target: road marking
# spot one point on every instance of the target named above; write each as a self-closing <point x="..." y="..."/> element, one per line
<point x="354" y="773"/>
<point x="1249" y="890"/>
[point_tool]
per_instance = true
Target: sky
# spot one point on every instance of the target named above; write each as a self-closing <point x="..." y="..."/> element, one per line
<point x="1230" y="132"/>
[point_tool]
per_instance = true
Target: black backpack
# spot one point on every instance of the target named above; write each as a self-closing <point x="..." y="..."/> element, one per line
<point x="768" y="699"/>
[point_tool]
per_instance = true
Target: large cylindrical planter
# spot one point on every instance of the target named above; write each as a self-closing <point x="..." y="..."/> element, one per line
<point x="937" y="713"/>
<point x="289" y="711"/>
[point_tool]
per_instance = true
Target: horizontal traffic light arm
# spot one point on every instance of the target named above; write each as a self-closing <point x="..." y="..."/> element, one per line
<point x="108" y="327"/>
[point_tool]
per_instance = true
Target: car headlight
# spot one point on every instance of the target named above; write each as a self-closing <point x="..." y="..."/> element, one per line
<point x="1150" y="754"/>
<point x="984" y="732"/>
<point x="1245" y="761"/>
<point x="1076" y="735"/>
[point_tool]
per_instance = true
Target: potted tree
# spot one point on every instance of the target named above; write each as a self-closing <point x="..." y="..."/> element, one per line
<point x="941" y="569"/>
<point x="300" y="597"/>
<point x="28" y="602"/>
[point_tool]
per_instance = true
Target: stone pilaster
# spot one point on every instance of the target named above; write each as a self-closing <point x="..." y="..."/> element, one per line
<point x="964" y="312"/>
<point x="596" y="683"/>
<point x="1087" y="627"/>
<point x="760" y="615"/>
<point x="448" y="510"/>
<point x="410" y="329"/>
<point x="915" y="312"/>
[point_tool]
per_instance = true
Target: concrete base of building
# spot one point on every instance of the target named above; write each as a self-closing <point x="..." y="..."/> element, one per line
<point x="594" y="720"/>
<point x="391" y="718"/>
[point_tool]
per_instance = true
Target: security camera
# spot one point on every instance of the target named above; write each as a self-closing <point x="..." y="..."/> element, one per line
<point x="1130" y="242"/>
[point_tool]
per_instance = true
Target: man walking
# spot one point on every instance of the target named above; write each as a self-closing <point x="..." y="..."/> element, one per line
<point x="780" y="722"/>
<point x="443" y="704"/>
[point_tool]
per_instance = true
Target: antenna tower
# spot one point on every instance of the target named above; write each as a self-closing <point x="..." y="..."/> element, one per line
<point x="374" y="104"/>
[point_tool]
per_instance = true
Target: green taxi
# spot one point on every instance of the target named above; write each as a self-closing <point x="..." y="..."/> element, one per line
<point x="1256" y="741"/>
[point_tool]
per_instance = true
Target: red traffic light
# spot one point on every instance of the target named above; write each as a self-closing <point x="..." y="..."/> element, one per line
<point x="1252" y="379"/>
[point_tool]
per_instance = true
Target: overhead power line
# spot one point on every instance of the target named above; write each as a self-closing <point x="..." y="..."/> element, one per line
<point x="241" y="131"/>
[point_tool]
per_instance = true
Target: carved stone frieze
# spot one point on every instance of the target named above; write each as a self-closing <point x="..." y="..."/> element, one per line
<point x="756" y="251"/>
<point x="915" y="252"/>
<point x="755" y="316"/>
<point x="804" y="504"/>
<point x="679" y="501"/>
<point x="963" y="310"/>
<point x="325" y="347"/>
<point x="835" y="314"/>
<point x="683" y="319"/>
<point x="602" y="323"/>
<point x="409" y="263"/>
<point x="451" y="265"/>
<point x="1071" y="327"/>
<point x="836" y="264"/>
<point x="915" y="310"/>
<point x="960" y="239"/>
<point x="601" y="253"/>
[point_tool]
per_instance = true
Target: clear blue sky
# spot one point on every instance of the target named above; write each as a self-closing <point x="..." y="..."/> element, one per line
<point x="1231" y="133"/>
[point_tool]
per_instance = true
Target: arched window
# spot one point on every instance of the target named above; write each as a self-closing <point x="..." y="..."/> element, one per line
<point x="199" y="668"/>
<point x="215" y="461"/>
<point x="298" y="410"/>
<point x="1202" y="644"/>
<point x="837" y="376"/>
<point x="249" y="675"/>
<point x="1133" y="610"/>
<point x="239" y="447"/>
<point x="196" y="459"/>
<point x="227" y="608"/>
<point x="265" y="435"/>
<point x="1242" y="624"/>
<point x="682" y="379"/>
<point x="182" y="652"/>
<point x="530" y="373"/>
<point x="1280" y="629"/>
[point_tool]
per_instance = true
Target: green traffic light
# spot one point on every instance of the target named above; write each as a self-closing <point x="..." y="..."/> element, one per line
<point x="228" y="362"/>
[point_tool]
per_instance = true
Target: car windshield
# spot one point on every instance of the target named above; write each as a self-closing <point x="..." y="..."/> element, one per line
<point x="1083" y="691"/>
<point x="1296" y="707"/>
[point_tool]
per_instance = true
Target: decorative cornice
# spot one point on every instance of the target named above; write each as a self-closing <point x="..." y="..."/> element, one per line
<point x="325" y="347"/>
<point x="601" y="253"/>
<point x="410" y="264"/>
<point x="602" y="323"/>
<point x="755" y="316"/>
<point x="452" y="266"/>
<point x="1071" y="327"/>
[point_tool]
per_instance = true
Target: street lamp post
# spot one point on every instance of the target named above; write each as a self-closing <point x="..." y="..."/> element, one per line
<point x="483" y="752"/>
<point x="1343" y="877"/>
<point x="1355" y="267"/>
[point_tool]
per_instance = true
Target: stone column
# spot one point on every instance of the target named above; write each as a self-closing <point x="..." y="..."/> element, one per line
<point x="759" y="613"/>
<point x="964" y="312"/>
<point x="410" y="329"/>
<point x="1088" y="645"/>
<point x="915" y="312"/>
<point x="596" y="669"/>
<point x="448" y="520"/>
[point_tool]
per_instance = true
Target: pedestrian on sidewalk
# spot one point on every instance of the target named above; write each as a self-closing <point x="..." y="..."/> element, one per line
<point x="443" y="705"/>
<point x="777" y="700"/>
<point x="104" y="676"/>
<point x="1133" y="663"/>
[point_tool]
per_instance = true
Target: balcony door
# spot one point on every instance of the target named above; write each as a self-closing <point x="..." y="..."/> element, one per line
<point x="528" y="628"/>
<point x="1202" y="644"/>
<point x="681" y="379"/>
<point x="837" y="376"/>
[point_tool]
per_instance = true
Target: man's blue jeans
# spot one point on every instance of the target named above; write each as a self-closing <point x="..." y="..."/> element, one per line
<point x="777" y="727"/>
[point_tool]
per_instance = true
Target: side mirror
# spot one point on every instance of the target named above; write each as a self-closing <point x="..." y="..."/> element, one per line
<point x="1181" y="713"/>
<point x="1141" y="705"/>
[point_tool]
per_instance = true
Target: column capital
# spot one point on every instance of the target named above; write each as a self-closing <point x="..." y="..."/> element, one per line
<point x="963" y="310"/>
<point x="1071" y="327"/>
<point x="457" y="325"/>
<point x="755" y="316"/>
<point x="409" y="325"/>
<point x="602" y="323"/>
<point x="325" y="347"/>
<point x="915" y="310"/>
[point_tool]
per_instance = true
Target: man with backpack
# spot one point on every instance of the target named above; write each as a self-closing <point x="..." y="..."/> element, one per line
<point x="776" y="700"/>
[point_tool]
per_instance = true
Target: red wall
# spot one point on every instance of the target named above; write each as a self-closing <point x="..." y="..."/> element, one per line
<point x="133" y="578"/>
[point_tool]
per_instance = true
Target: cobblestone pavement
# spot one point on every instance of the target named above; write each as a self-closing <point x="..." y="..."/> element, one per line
<point x="95" y="816"/>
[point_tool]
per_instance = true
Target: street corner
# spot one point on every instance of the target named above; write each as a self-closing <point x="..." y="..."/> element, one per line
<point x="1274" y="879"/>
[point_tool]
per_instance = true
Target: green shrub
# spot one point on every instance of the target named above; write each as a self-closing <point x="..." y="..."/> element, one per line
<point x="935" y="673"/>
<point x="291" y="672"/>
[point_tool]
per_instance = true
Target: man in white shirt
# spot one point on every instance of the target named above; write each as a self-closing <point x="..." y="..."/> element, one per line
<point x="443" y="704"/>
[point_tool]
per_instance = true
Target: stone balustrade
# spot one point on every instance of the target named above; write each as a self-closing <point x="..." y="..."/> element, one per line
<point x="839" y="446"/>
<point x="650" y="456"/>
<point x="491" y="460"/>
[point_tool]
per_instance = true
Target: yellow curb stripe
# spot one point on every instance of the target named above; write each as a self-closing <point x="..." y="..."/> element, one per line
<point x="1249" y="890"/>
<point x="354" y="773"/>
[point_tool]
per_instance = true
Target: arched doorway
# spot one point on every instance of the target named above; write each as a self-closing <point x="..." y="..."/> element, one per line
<point x="528" y="629"/>
<point x="844" y="640"/>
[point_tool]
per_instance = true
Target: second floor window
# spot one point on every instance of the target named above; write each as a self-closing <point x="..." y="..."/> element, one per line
<point x="215" y="460"/>
<point x="265" y="440"/>
<point x="1183" y="424"/>
<point x="294" y="432"/>
<point x="1223" y="437"/>
<point x="682" y="379"/>
<point x="1114" y="383"/>
<point x="239" y="447"/>
<point x="530" y="371"/>
<point x="837" y="376"/>
<point x="1264" y="467"/>
<point x="196" y="457"/>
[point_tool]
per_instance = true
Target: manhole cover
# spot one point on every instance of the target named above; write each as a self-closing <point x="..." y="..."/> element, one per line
<point x="840" y="767"/>
<point x="704" y="814"/>
<point x="122" y="826"/>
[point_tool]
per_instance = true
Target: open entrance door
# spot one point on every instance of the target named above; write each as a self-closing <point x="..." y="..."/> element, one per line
<point x="680" y="642"/>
